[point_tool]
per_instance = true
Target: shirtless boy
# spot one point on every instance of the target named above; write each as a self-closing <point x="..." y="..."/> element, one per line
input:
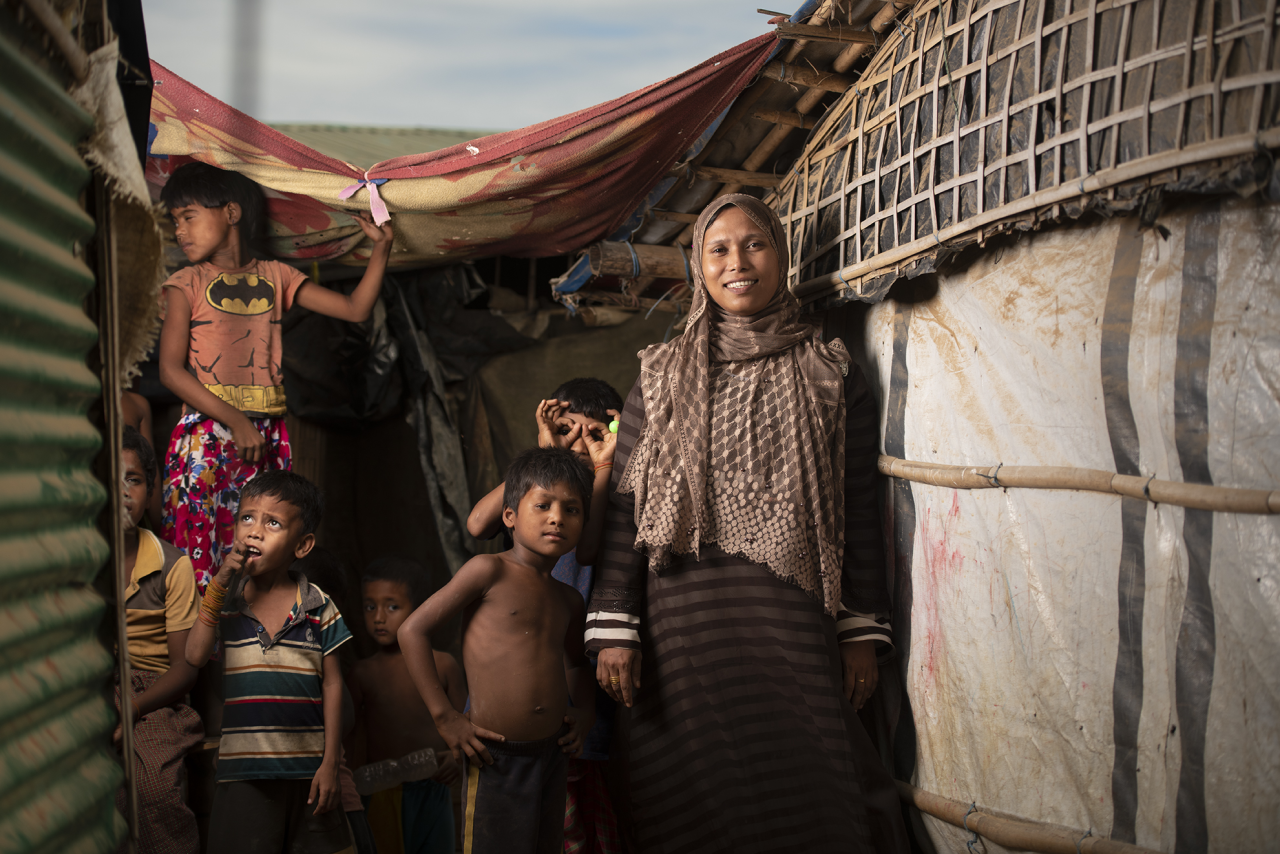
<point x="392" y="721"/>
<point x="522" y="647"/>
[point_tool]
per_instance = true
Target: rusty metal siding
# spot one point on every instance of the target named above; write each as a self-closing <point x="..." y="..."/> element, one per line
<point x="57" y="774"/>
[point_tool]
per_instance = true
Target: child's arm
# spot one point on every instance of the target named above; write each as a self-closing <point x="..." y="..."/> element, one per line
<point x="486" y="517"/>
<point x="602" y="462"/>
<point x="326" y="789"/>
<point x="455" y="683"/>
<point x="455" y="687"/>
<point x="358" y="306"/>
<point x="204" y="633"/>
<point x="175" y="337"/>
<point x="470" y="584"/>
<point x="577" y="670"/>
<point x="172" y="685"/>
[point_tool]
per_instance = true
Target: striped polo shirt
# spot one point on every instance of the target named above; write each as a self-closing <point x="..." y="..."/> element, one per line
<point x="273" y="713"/>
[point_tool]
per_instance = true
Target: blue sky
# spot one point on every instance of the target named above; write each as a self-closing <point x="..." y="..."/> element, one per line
<point x="476" y="64"/>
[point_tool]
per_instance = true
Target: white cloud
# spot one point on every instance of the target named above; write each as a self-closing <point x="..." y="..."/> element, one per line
<point x="484" y="64"/>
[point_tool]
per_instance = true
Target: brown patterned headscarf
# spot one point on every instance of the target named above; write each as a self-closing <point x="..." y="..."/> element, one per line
<point x="743" y="440"/>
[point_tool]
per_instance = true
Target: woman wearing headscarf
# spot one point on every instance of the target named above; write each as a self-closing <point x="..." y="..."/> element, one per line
<point x="742" y="570"/>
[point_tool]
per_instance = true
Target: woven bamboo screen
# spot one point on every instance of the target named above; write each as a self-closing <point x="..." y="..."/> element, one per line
<point x="975" y="114"/>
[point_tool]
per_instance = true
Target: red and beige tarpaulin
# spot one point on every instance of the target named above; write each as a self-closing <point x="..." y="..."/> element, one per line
<point x="547" y="189"/>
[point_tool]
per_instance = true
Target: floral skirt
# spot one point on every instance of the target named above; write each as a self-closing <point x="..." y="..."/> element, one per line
<point x="203" y="479"/>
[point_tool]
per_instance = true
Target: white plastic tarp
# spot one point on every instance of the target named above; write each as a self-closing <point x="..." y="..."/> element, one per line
<point x="1079" y="658"/>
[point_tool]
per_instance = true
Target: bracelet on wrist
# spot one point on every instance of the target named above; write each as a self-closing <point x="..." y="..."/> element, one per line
<point x="604" y="466"/>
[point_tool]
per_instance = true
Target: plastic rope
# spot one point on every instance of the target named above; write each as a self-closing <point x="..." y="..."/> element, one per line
<point x="635" y="261"/>
<point x="1081" y="840"/>
<point x="973" y="840"/>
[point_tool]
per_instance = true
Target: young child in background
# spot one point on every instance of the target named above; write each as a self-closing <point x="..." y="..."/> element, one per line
<point x="576" y="417"/>
<point x="522" y="647"/>
<point x="220" y="352"/>
<point x="413" y="817"/>
<point x="160" y="607"/>
<point x="324" y="569"/>
<point x="277" y="785"/>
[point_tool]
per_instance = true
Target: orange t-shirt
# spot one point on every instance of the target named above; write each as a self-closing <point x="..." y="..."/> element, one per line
<point x="235" y="348"/>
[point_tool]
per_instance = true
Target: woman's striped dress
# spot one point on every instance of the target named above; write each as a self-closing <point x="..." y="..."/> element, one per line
<point x="741" y="737"/>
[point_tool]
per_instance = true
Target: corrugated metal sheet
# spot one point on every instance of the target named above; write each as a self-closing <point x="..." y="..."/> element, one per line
<point x="57" y="774"/>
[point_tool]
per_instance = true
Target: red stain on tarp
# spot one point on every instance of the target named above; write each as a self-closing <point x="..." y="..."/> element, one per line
<point x="943" y="561"/>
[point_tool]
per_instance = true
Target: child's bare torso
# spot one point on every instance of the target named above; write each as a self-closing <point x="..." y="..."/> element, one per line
<point x="396" y="720"/>
<point x="513" y="650"/>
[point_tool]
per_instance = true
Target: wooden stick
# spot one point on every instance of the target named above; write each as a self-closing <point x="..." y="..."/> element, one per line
<point x="737" y="176"/>
<point x="794" y="120"/>
<point x="1015" y="833"/>
<point x="801" y="75"/>
<point x="826" y="34"/>
<point x="1198" y="496"/>
<point x="76" y="58"/>
<point x="674" y="216"/>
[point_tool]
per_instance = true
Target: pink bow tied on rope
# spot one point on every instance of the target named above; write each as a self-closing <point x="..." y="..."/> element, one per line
<point x="377" y="206"/>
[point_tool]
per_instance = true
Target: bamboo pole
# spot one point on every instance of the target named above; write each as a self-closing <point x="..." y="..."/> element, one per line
<point x="778" y="117"/>
<point x="1196" y="496"/>
<point x="609" y="258"/>
<point x="49" y="18"/>
<point x="1015" y="833"/>
<point x="830" y="34"/>
<point x="827" y="81"/>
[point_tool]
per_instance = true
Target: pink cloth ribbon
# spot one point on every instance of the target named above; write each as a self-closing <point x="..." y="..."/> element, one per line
<point x="377" y="206"/>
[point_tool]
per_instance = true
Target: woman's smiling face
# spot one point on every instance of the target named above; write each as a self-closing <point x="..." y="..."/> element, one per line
<point x="739" y="264"/>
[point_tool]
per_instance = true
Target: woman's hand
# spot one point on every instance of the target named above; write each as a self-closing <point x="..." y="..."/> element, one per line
<point x="860" y="671"/>
<point x="618" y="672"/>
<point x="251" y="445"/>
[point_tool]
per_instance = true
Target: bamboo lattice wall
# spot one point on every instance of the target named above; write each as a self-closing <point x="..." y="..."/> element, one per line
<point x="981" y="115"/>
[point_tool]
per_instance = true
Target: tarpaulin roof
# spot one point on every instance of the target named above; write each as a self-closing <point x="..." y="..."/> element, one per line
<point x="543" y="190"/>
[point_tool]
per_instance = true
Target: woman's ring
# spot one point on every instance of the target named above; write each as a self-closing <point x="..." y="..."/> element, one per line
<point x="613" y="680"/>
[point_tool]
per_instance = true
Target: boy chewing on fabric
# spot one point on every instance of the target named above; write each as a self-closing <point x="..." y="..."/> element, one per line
<point x="522" y="648"/>
<point x="277" y="782"/>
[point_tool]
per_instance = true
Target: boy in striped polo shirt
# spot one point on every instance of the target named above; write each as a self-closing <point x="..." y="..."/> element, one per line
<point x="277" y="781"/>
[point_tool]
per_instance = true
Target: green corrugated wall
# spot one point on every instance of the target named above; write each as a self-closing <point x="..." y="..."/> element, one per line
<point x="57" y="774"/>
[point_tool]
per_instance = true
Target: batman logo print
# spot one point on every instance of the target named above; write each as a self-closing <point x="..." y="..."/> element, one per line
<point x="241" y="293"/>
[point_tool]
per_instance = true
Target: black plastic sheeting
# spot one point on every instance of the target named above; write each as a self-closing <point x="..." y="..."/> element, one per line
<point x="421" y="336"/>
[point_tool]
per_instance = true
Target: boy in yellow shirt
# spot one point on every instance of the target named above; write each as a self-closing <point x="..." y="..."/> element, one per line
<point x="160" y="607"/>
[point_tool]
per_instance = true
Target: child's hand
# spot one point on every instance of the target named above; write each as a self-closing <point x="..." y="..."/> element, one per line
<point x="449" y="771"/>
<point x="546" y="415"/>
<point x="379" y="234"/>
<point x="573" y="741"/>
<point x="232" y="565"/>
<point x="251" y="445"/>
<point x="326" y="790"/>
<point x="601" y="450"/>
<point x="463" y="738"/>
